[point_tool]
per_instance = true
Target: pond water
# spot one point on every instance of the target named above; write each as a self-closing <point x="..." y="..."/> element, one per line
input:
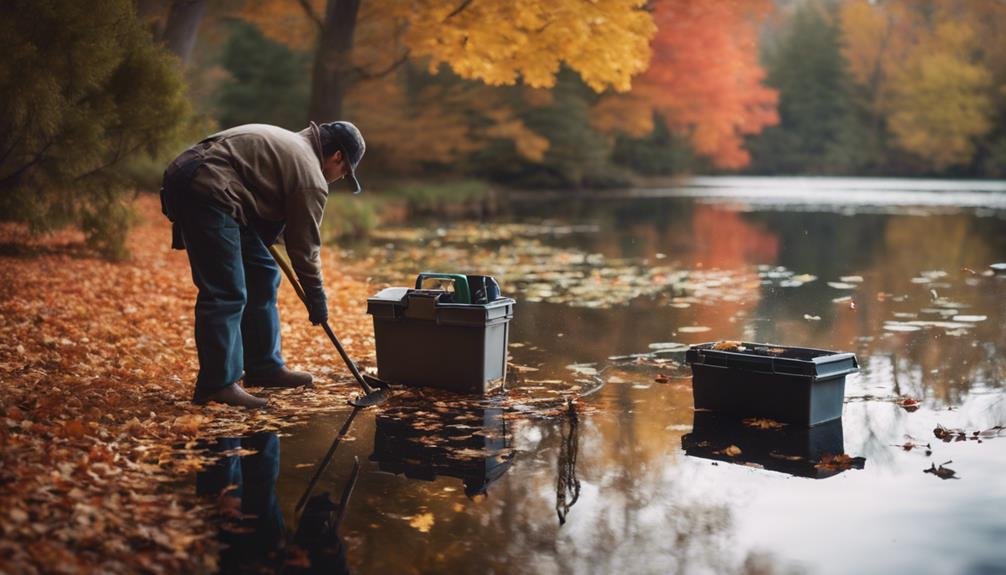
<point x="612" y="288"/>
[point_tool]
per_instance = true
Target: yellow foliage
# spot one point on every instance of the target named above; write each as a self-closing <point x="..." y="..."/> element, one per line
<point x="284" y="21"/>
<point x="439" y="123"/>
<point x="631" y="114"/>
<point x="939" y="103"/>
<point x="605" y="41"/>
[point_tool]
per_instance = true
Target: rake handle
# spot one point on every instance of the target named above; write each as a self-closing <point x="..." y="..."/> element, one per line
<point x="284" y="264"/>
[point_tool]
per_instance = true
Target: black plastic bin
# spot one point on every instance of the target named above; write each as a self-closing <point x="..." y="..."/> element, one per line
<point x="788" y="384"/>
<point x="422" y="341"/>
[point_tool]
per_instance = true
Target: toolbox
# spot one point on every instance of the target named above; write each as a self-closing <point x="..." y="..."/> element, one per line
<point x="450" y="339"/>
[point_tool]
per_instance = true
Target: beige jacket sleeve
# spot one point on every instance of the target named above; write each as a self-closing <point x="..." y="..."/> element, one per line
<point x="304" y="210"/>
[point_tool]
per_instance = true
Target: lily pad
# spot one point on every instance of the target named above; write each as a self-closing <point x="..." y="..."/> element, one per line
<point x="670" y="346"/>
<point x="970" y="318"/>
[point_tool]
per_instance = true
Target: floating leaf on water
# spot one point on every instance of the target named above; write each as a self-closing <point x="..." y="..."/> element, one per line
<point x="669" y="346"/>
<point x="732" y="451"/>
<point x="840" y="462"/>
<point x="941" y="471"/>
<point x="804" y="278"/>
<point x="909" y="404"/>
<point x="762" y="423"/>
<point x="842" y="299"/>
<point x="852" y="279"/>
<point x="693" y="329"/>
<point x="842" y="285"/>
<point x="809" y="317"/>
<point x="899" y="326"/>
<point x="970" y="318"/>
<point x="582" y="368"/>
<point x="423" y="522"/>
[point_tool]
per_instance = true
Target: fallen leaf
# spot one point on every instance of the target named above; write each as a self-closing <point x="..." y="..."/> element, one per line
<point x="762" y="423"/>
<point x="839" y="462"/>
<point x="727" y="345"/>
<point x="732" y="451"/>
<point x="941" y="471"/>
<point x="423" y="523"/>
<point x="909" y="404"/>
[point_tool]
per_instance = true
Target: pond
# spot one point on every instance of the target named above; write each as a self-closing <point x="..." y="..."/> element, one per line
<point x="612" y="288"/>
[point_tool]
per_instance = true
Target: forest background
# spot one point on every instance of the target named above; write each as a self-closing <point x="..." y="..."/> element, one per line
<point x="456" y="97"/>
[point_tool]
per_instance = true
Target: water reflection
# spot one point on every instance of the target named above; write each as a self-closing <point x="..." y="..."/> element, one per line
<point x="567" y="486"/>
<point x="470" y="443"/>
<point x="244" y="480"/>
<point x="636" y="461"/>
<point x="817" y="452"/>
<point x="252" y="531"/>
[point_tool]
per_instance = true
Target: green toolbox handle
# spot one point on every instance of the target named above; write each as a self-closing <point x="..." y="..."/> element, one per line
<point x="461" y="293"/>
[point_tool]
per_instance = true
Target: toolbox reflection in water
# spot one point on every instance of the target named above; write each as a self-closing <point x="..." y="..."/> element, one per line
<point x="471" y="444"/>
<point x="817" y="452"/>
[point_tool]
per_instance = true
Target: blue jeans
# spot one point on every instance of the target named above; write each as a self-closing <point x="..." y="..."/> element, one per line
<point x="237" y="322"/>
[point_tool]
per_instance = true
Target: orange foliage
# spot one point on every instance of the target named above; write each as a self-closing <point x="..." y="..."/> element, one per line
<point x="704" y="79"/>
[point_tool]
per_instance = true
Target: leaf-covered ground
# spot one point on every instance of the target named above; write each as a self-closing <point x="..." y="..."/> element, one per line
<point x="97" y="363"/>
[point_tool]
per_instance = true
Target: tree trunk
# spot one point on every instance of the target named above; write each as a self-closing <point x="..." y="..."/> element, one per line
<point x="334" y="61"/>
<point x="182" y="26"/>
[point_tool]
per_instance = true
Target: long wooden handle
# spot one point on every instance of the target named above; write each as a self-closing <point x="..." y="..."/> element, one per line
<point x="284" y="264"/>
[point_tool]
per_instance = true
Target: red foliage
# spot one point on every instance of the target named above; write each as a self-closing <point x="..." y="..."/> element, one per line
<point x="705" y="78"/>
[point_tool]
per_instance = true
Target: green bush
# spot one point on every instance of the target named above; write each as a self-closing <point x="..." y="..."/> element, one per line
<point x="425" y="197"/>
<point x="350" y="216"/>
<point x="85" y="92"/>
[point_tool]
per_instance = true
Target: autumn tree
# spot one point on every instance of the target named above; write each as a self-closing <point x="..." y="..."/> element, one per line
<point x="606" y="41"/>
<point x="266" y="81"/>
<point x="704" y="80"/>
<point x="84" y="90"/>
<point x="928" y="70"/>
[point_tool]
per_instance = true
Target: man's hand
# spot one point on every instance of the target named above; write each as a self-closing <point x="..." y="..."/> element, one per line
<point x="317" y="308"/>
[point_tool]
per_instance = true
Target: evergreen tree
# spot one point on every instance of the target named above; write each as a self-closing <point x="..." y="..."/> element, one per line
<point x="85" y="90"/>
<point x="577" y="156"/>
<point x="269" y="83"/>
<point x="660" y="153"/>
<point x="819" y="129"/>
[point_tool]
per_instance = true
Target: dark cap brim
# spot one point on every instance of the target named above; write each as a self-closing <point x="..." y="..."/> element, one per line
<point x="354" y="184"/>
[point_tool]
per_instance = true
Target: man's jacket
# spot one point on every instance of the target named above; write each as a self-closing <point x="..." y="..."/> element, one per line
<point x="267" y="177"/>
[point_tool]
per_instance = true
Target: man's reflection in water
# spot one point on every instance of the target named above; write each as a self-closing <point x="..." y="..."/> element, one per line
<point x="253" y="530"/>
<point x="253" y="533"/>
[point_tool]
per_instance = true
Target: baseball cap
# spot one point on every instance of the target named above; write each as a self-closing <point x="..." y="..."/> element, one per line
<point x="347" y="139"/>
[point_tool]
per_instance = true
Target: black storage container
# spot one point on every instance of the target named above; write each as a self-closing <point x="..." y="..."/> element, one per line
<point x="423" y="341"/>
<point x="788" y="384"/>
<point x="791" y="449"/>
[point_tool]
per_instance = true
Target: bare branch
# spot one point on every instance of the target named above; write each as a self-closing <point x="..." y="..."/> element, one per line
<point x="365" y="75"/>
<point x="309" y="10"/>
<point x="458" y="10"/>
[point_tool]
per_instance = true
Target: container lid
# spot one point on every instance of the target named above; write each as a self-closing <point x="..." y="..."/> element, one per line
<point x="425" y="304"/>
<point x="775" y="359"/>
